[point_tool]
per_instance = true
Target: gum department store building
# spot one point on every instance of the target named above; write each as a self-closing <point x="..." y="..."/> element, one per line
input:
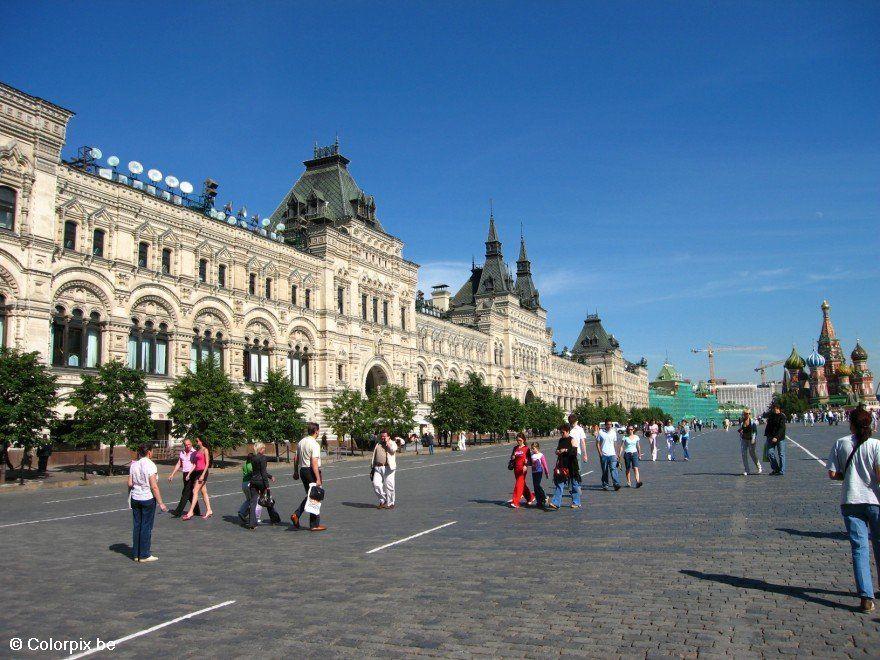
<point x="98" y="265"/>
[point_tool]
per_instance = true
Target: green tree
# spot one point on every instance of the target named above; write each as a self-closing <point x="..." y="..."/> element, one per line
<point x="27" y="401"/>
<point x="789" y="402"/>
<point x="542" y="417"/>
<point x="349" y="413"/>
<point x="111" y="409"/>
<point x="638" y="416"/>
<point x="451" y="408"/>
<point x="589" y="414"/>
<point x="482" y="410"/>
<point x="392" y="409"/>
<point x="274" y="414"/>
<point x="206" y="404"/>
<point x="509" y="415"/>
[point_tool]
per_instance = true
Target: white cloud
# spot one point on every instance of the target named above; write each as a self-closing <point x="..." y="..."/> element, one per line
<point x="453" y="273"/>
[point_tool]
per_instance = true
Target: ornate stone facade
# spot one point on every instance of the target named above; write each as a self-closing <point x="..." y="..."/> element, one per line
<point x="95" y="266"/>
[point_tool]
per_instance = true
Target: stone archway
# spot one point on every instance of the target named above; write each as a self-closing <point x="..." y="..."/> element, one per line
<point x="530" y="396"/>
<point x="376" y="378"/>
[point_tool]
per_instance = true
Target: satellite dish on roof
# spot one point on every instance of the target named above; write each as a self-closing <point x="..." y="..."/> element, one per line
<point x="172" y="181"/>
<point x="231" y="219"/>
<point x="186" y="187"/>
<point x="280" y="226"/>
<point x="154" y="175"/>
<point x="113" y="161"/>
<point x="264" y="222"/>
<point x="135" y="167"/>
<point x="95" y="153"/>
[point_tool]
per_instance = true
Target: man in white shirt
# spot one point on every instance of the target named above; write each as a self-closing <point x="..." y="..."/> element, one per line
<point x="606" y="445"/>
<point x="578" y="437"/>
<point x="384" y="470"/>
<point x="671" y="440"/>
<point x="307" y="466"/>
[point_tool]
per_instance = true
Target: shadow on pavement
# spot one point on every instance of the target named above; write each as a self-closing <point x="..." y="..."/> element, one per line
<point x="837" y="536"/>
<point x="359" y="505"/>
<point x="122" y="549"/>
<point x="495" y="502"/>
<point x="803" y="593"/>
<point x="715" y="474"/>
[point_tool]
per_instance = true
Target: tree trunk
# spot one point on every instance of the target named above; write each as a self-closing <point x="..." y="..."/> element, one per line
<point x="110" y="456"/>
<point x="277" y="455"/>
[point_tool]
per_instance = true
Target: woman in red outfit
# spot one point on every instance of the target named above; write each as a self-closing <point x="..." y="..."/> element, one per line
<point x="522" y="459"/>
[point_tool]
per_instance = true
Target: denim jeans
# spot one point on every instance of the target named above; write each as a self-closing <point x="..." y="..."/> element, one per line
<point x="143" y="512"/>
<point x="245" y="508"/>
<point x="777" y="457"/>
<point x="684" y="446"/>
<point x="860" y="520"/>
<point x="538" y="490"/>
<point x="308" y="477"/>
<point x="574" y="486"/>
<point x="609" y="471"/>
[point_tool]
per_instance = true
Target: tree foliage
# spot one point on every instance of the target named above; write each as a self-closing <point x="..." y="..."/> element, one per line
<point x="790" y="404"/>
<point x="205" y="404"/>
<point x="638" y="416"/>
<point x="349" y="414"/>
<point x="111" y="409"/>
<point x="390" y="408"/>
<point x="274" y="414"/>
<point x="27" y="399"/>
<point x="451" y="408"/>
<point x="542" y="417"/>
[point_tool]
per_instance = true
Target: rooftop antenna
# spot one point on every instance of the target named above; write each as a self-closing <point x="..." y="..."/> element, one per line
<point x="491" y="208"/>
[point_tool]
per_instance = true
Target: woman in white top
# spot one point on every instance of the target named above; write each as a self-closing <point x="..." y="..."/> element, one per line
<point x="144" y="492"/>
<point x="855" y="460"/>
<point x="631" y="453"/>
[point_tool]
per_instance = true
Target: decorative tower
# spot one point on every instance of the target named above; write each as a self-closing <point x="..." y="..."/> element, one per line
<point x="829" y="348"/>
<point x="525" y="287"/>
<point x="862" y="378"/>
<point x="818" y="382"/>
<point x="495" y="278"/>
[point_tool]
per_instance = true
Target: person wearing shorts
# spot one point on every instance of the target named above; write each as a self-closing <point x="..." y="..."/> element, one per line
<point x="631" y="451"/>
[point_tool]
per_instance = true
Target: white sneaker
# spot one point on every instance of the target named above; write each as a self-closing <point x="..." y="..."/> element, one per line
<point x="150" y="558"/>
<point x="745" y="474"/>
<point x="760" y="470"/>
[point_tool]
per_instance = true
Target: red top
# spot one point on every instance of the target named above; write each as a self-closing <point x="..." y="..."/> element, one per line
<point x="521" y="457"/>
<point x="201" y="460"/>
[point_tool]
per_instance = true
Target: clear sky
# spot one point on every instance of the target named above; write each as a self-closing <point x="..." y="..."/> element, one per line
<point x="693" y="171"/>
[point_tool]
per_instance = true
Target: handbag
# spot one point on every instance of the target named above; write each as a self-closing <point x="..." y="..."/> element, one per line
<point x="266" y="500"/>
<point x="510" y="463"/>
<point x="561" y="474"/>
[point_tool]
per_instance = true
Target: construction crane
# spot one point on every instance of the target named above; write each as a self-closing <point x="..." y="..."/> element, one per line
<point x="763" y="366"/>
<point x="710" y="350"/>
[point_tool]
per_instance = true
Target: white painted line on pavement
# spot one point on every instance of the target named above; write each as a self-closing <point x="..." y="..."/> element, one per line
<point x="807" y="451"/>
<point x="141" y="633"/>
<point x="409" y="538"/>
<point x="88" y="497"/>
<point x="79" y="515"/>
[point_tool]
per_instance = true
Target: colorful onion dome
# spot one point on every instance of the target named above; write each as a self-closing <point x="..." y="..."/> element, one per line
<point x="794" y="361"/>
<point x="859" y="353"/>
<point x="844" y="370"/>
<point x="815" y="360"/>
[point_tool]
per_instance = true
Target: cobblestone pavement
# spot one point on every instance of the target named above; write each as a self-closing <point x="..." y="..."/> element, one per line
<point x="699" y="562"/>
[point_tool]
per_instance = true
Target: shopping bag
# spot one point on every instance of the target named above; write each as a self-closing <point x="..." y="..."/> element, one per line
<point x="313" y="505"/>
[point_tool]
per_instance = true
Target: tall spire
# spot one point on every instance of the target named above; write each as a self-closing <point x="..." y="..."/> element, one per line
<point x="525" y="286"/>
<point x="493" y="245"/>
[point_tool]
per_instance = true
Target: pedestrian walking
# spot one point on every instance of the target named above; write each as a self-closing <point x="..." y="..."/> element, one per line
<point x="578" y="436"/>
<point x="143" y="489"/>
<point x="855" y="460"/>
<point x="520" y="460"/>
<point x="653" y="431"/>
<point x="414" y="441"/>
<point x="606" y="446"/>
<point x="462" y="441"/>
<point x="567" y="470"/>
<point x="684" y="433"/>
<point x="259" y="488"/>
<point x="44" y="451"/>
<point x="429" y="440"/>
<point x="185" y="465"/>
<point x="201" y="467"/>
<point x="774" y="432"/>
<point x="307" y="467"/>
<point x="383" y="470"/>
<point x="671" y="439"/>
<point x="631" y="450"/>
<point x="247" y="469"/>
<point x="748" y="441"/>
<point x="539" y="469"/>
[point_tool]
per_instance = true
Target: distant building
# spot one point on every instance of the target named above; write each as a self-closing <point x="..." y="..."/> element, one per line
<point x="679" y="399"/>
<point x="755" y="398"/>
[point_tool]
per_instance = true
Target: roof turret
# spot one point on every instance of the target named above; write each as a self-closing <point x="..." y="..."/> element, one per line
<point x="815" y="361"/>
<point x="794" y="361"/>
<point x="859" y="354"/>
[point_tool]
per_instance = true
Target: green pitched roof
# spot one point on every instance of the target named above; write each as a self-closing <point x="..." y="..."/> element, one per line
<point x="668" y="372"/>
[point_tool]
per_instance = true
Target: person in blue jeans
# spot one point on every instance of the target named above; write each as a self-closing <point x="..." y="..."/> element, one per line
<point x="855" y="460"/>
<point x="143" y="489"/>
<point x="774" y="432"/>
<point x="684" y="432"/>
<point x="567" y="464"/>
<point x="606" y="445"/>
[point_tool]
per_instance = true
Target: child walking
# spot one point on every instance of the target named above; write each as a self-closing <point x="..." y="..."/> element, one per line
<point x="539" y="469"/>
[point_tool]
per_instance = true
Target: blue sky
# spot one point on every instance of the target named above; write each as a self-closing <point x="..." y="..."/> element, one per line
<point x="694" y="171"/>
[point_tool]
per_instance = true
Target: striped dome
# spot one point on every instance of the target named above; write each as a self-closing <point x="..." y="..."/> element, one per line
<point x="794" y="361"/>
<point x="815" y="360"/>
<point x="859" y="353"/>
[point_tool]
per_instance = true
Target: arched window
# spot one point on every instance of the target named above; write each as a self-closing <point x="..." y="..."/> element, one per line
<point x="298" y="366"/>
<point x="293" y="294"/>
<point x="308" y="304"/>
<point x="203" y="270"/>
<point x="256" y="360"/>
<point x="267" y="288"/>
<point x="148" y="347"/>
<point x="436" y="385"/>
<point x="166" y="261"/>
<point x="221" y="276"/>
<point x="2" y="321"/>
<point x="252" y="284"/>
<point x="76" y="340"/>
<point x="70" y="235"/>
<point x="7" y="208"/>
<point x="143" y="254"/>
<point x="98" y="243"/>
<point x="420" y="384"/>
<point x="206" y="346"/>
<point x="598" y="377"/>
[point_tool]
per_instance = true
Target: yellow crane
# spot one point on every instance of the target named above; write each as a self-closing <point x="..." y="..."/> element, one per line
<point x="710" y="349"/>
<point x="763" y="366"/>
